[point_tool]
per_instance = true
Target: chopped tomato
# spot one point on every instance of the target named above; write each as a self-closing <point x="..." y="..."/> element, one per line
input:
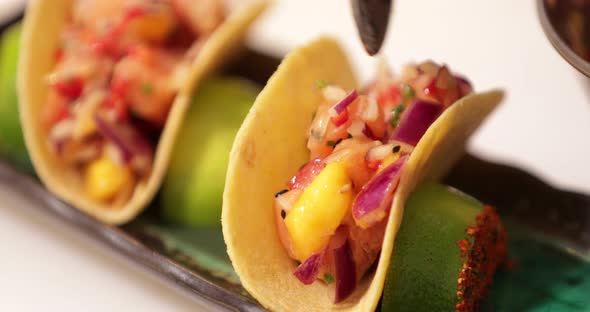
<point x="117" y="105"/>
<point x="373" y="164"/>
<point x="133" y="12"/>
<point x="431" y="89"/>
<point x="306" y="174"/>
<point x="70" y="88"/>
<point x="58" y="55"/>
<point x="116" y="99"/>
<point x="105" y="48"/>
<point x="120" y="87"/>
<point x="391" y="95"/>
<point x="340" y="119"/>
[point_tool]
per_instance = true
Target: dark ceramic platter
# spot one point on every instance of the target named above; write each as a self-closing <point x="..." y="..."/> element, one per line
<point x="549" y="232"/>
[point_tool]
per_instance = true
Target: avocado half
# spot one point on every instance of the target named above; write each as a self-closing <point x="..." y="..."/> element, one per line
<point x="446" y="252"/>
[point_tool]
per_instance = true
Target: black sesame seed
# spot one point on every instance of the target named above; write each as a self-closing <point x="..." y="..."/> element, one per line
<point x="281" y="192"/>
<point x="283" y="214"/>
<point x="396" y="148"/>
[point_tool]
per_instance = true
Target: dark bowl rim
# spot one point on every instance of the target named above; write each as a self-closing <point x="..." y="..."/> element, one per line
<point x="562" y="48"/>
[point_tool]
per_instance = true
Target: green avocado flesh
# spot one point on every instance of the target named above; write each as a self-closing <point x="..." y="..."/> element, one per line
<point x="426" y="260"/>
<point x="12" y="144"/>
<point x="193" y="187"/>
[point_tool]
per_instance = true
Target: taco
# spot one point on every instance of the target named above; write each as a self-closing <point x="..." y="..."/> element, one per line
<point x="104" y="86"/>
<point x="340" y="162"/>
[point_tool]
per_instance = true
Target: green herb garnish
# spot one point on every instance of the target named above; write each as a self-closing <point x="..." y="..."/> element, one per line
<point x="146" y="88"/>
<point x="320" y="83"/>
<point x="395" y="115"/>
<point x="329" y="278"/>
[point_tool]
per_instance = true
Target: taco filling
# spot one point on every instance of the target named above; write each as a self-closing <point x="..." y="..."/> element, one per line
<point x="118" y="68"/>
<point x="333" y="215"/>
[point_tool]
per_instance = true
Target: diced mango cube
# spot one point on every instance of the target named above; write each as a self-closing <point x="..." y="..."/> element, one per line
<point x="105" y="179"/>
<point x="319" y="211"/>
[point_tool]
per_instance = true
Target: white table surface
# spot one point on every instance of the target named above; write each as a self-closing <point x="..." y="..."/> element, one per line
<point x="543" y="126"/>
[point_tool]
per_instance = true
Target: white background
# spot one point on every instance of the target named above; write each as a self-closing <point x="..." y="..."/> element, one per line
<point x="543" y="126"/>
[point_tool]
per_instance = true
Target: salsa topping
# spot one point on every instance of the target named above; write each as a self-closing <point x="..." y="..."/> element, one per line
<point x="119" y="66"/>
<point x="333" y="217"/>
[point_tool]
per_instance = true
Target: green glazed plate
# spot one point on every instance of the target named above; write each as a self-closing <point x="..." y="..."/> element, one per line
<point x="549" y="233"/>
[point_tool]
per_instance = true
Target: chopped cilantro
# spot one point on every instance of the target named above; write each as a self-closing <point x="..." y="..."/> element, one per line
<point x="329" y="278"/>
<point x="407" y="91"/>
<point x="395" y="114"/>
<point x="320" y="83"/>
<point x="146" y="88"/>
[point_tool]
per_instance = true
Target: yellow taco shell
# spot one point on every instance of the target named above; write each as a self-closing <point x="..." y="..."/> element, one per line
<point x="271" y="146"/>
<point x="43" y="23"/>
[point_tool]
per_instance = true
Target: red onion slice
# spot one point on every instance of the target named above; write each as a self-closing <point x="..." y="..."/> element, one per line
<point x="134" y="147"/>
<point x="343" y="104"/>
<point x="414" y="123"/>
<point x="345" y="271"/>
<point x="309" y="269"/>
<point x="368" y="133"/>
<point x="373" y="201"/>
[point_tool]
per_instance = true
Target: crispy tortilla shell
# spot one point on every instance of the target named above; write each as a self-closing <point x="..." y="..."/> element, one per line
<point x="271" y="146"/>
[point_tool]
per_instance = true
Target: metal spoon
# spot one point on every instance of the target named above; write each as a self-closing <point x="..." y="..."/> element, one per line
<point x="372" y="18"/>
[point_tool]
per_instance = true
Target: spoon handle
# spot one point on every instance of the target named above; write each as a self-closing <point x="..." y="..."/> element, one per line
<point x="372" y="18"/>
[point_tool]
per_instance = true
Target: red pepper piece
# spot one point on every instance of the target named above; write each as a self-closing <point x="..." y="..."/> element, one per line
<point x="70" y="88"/>
<point x="341" y="119"/>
